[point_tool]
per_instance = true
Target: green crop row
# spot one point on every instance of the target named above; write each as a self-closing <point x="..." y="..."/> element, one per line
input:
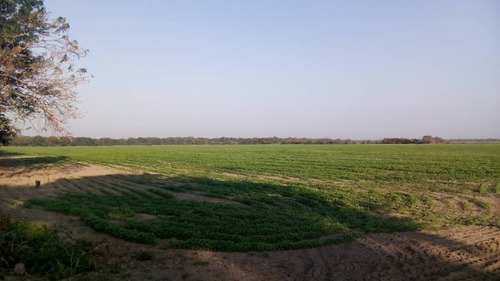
<point x="275" y="197"/>
<point x="272" y="217"/>
<point x="427" y="167"/>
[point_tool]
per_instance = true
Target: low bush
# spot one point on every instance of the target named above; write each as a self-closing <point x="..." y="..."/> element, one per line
<point x="40" y="249"/>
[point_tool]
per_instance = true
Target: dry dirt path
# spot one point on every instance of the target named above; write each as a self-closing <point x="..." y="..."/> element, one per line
<point x="465" y="253"/>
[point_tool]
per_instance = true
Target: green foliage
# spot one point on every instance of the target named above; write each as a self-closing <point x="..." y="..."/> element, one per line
<point x="7" y="131"/>
<point x="287" y="196"/>
<point x="483" y="188"/>
<point x="488" y="187"/>
<point x="41" y="250"/>
<point x="276" y="216"/>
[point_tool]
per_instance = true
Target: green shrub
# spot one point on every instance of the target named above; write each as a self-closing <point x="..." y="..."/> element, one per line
<point x="40" y="249"/>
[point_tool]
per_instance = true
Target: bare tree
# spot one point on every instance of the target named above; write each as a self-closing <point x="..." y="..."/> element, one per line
<point x="38" y="75"/>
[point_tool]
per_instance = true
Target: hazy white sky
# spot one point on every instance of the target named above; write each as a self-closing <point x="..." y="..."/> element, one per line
<point x="339" y="69"/>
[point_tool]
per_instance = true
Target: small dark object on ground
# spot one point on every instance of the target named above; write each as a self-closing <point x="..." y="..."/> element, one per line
<point x="143" y="256"/>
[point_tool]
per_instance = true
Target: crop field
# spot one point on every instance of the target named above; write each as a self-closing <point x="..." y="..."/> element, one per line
<point x="274" y="197"/>
<point x="262" y="212"/>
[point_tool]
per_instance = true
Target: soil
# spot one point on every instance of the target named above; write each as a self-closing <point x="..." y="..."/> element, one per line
<point x="464" y="253"/>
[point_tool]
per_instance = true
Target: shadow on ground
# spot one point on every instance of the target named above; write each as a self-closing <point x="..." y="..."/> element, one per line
<point x="201" y="213"/>
<point x="28" y="162"/>
<point x="218" y="215"/>
<point x="4" y="153"/>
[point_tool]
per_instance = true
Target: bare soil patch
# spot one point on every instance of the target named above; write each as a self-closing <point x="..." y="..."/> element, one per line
<point x="465" y="253"/>
<point x="17" y="181"/>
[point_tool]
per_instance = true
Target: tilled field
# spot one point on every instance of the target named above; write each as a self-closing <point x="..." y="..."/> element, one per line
<point x="463" y="253"/>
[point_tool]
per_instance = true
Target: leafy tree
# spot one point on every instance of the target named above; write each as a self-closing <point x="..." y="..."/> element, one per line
<point x="37" y="71"/>
<point x="6" y="130"/>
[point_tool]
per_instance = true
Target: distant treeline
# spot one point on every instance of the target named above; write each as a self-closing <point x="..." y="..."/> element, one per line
<point x="83" y="141"/>
<point x="425" y="139"/>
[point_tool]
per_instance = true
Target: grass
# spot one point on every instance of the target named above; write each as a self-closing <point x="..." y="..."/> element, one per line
<point x="441" y="167"/>
<point x="288" y="197"/>
<point x="41" y="250"/>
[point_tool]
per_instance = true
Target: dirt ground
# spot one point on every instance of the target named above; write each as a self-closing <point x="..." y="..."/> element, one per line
<point x="465" y="253"/>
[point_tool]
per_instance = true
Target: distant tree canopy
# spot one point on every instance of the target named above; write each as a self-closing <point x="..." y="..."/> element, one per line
<point x="37" y="71"/>
<point x="425" y="139"/>
<point x="431" y="139"/>
<point x="83" y="141"/>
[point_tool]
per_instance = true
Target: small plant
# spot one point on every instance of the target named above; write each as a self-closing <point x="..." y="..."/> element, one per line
<point x="40" y="249"/>
<point x="483" y="188"/>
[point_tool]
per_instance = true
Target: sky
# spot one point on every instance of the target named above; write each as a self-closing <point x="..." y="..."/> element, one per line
<point x="337" y="69"/>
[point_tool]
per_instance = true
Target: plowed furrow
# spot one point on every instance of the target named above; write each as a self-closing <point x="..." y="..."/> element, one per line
<point x="131" y="186"/>
<point x="66" y="187"/>
<point x="476" y="234"/>
<point x="101" y="185"/>
<point x="108" y="182"/>
<point x="86" y="186"/>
